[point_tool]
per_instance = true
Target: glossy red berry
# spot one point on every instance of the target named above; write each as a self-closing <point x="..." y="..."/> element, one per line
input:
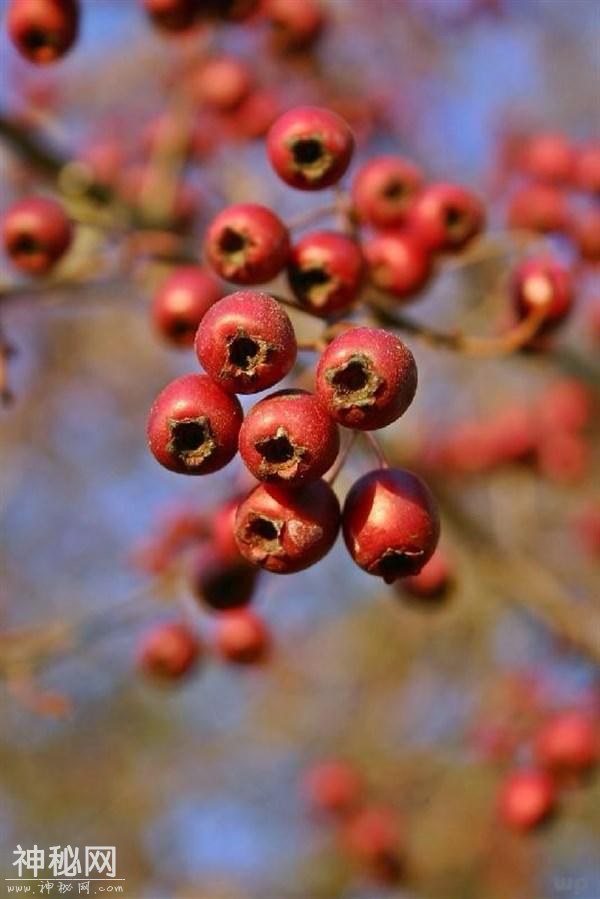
<point x="246" y="342"/>
<point x="222" y="83"/>
<point x="366" y="378"/>
<point x="384" y="189"/>
<point x="242" y="638"/>
<point x="295" y="26"/>
<point x="222" y="583"/>
<point x="326" y="272"/>
<point x="334" y="787"/>
<point x="543" y="284"/>
<point x="181" y="302"/>
<point x="286" y="530"/>
<point x="399" y="263"/>
<point x="193" y="426"/>
<point x="568" y="743"/>
<point x="548" y="158"/>
<point x="391" y="524"/>
<point x="587" y="168"/>
<point x="247" y="244"/>
<point x="170" y="651"/>
<point x="43" y="30"/>
<point x="538" y="207"/>
<point x="445" y="217"/>
<point x="310" y="148"/>
<point x="36" y="233"/>
<point x="433" y="581"/>
<point x="526" y="799"/>
<point x="288" y="438"/>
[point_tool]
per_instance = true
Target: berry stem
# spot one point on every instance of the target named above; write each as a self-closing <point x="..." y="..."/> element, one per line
<point x="342" y="458"/>
<point x="376" y="448"/>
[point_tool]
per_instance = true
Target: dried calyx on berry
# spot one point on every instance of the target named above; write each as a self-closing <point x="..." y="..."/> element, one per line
<point x="310" y="148"/>
<point x="326" y="272"/>
<point x="247" y="244"/>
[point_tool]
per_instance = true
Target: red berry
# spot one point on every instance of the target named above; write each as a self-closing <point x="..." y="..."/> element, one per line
<point x="288" y="438"/>
<point x="568" y="743"/>
<point x="172" y="15"/>
<point x="222" y="83"/>
<point x="366" y="378"/>
<point x="334" y="787"/>
<point x="563" y="457"/>
<point x="286" y="530"/>
<point x="246" y="342"/>
<point x="222" y="527"/>
<point x="193" y="426"/>
<point x="445" y="217"/>
<point x="399" y="263"/>
<point x="36" y="233"/>
<point x="384" y="189"/>
<point x="526" y="799"/>
<point x="565" y="405"/>
<point x="295" y="26"/>
<point x="170" y="651"/>
<point x="247" y="244"/>
<point x="373" y="837"/>
<point x="43" y="30"/>
<point x="433" y="581"/>
<point x="255" y="115"/>
<point x="543" y="284"/>
<point x="222" y="583"/>
<point x="182" y="301"/>
<point x="326" y="272"/>
<point x="585" y="231"/>
<point x="548" y="158"/>
<point x="242" y="638"/>
<point x="587" y="168"/>
<point x="390" y="523"/>
<point x="538" y="207"/>
<point x="310" y="148"/>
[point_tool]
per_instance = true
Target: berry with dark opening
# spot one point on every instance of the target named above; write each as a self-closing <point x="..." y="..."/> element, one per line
<point x="295" y="26"/>
<point x="384" y="189"/>
<point x="399" y="263"/>
<point x="181" y="302"/>
<point x="170" y="651"/>
<point x="246" y="342"/>
<point x="222" y="583"/>
<point x="538" y="207"/>
<point x="526" y="799"/>
<point x="445" y="217"/>
<point x="434" y="580"/>
<point x="43" y="30"/>
<point x="242" y="638"/>
<point x="543" y="284"/>
<point x="172" y="15"/>
<point x="367" y="378"/>
<point x="568" y="743"/>
<point x="587" y="168"/>
<point x="247" y="244"/>
<point x="286" y="530"/>
<point x="373" y="837"/>
<point x="548" y="158"/>
<point x="193" y="426"/>
<point x="222" y="83"/>
<point x="326" y="272"/>
<point x="334" y="787"/>
<point x="310" y="148"/>
<point x="391" y="524"/>
<point x="288" y="438"/>
<point x="36" y="233"/>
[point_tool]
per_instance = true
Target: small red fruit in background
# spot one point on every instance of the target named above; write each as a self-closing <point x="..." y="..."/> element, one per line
<point x="325" y="272"/>
<point x="374" y="838"/>
<point x="585" y="231"/>
<point x="587" y="168"/>
<point x="334" y="787"/>
<point x="399" y="263"/>
<point x="43" y="30"/>
<point x="242" y="638"/>
<point x="36" y="233"/>
<point x="222" y="83"/>
<point x="538" y="207"/>
<point x="526" y="799"/>
<point x="548" y="158"/>
<point x="247" y="244"/>
<point x="433" y="581"/>
<point x="542" y="284"/>
<point x="384" y="190"/>
<point x="181" y="302"/>
<point x="295" y="26"/>
<point x="170" y="651"/>
<point x="446" y="217"/>
<point x="221" y="583"/>
<point x="568" y="743"/>
<point x="310" y="148"/>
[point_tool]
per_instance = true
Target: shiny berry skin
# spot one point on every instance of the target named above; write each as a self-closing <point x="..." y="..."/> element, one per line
<point x="390" y="523"/>
<point x="543" y="284"/>
<point x="445" y="217"/>
<point x="43" y="30"/>
<point x="366" y="378"/>
<point x="247" y="244"/>
<point x="288" y="438"/>
<point x="242" y="638"/>
<point x="310" y="148"/>
<point x="222" y="83"/>
<point x="526" y="799"/>
<point x="246" y="342"/>
<point x="286" y="530"/>
<point x="398" y="262"/>
<point x="587" y="169"/>
<point x="538" y="207"/>
<point x="548" y="158"/>
<point x="326" y="272"/>
<point x="172" y="15"/>
<point x="432" y="582"/>
<point x="384" y="189"/>
<point x="181" y="302"/>
<point x="568" y="743"/>
<point x="373" y="837"/>
<point x="295" y="26"/>
<point x="222" y="583"/>
<point x="193" y="426"/>
<point x="36" y="233"/>
<point x="170" y="651"/>
<point x="585" y="231"/>
<point x="334" y="787"/>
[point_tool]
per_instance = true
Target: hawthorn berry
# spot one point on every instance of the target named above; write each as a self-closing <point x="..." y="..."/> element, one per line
<point x="548" y="158"/>
<point x="247" y="244"/>
<point x="295" y="26"/>
<point x="222" y="83"/>
<point x="170" y="651"/>
<point x="182" y="301"/>
<point x="36" y="233"/>
<point x="433" y="581"/>
<point x="526" y="799"/>
<point x="43" y="30"/>
<point x="288" y="438"/>
<point x="399" y="263"/>
<point x="326" y="272"/>
<point x="445" y="217"/>
<point x="373" y="837"/>
<point x="384" y="189"/>
<point x="310" y="148"/>
<point x="587" y="168"/>
<point x="334" y="787"/>
<point x="390" y="523"/>
<point x="246" y="342"/>
<point x="193" y="426"/>
<point x="366" y="378"/>
<point x="538" y="207"/>
<point x="286" y="530"/>
<point x="172" y="15"/>
<point x="565" y="405"/>
<point x="568" y="743"/>
<point x="544" y="284"/>
<point x="222" y="583"/>
<point x="242" y="637"/>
